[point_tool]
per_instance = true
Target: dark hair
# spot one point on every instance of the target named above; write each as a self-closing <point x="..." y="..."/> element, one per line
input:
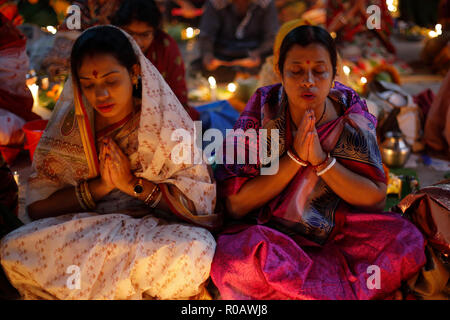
<point x="102" y="40"/>
<point x="303" y="36"/>
<point x="140" y="10"/>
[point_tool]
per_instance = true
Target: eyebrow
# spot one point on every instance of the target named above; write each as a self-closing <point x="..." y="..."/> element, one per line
<point x="299" y="62"/>
<point x="105" y="75"/>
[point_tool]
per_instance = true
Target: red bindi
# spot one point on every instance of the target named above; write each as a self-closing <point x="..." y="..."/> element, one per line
<point x="307" y="61"/>
<point x="95" y="73"/>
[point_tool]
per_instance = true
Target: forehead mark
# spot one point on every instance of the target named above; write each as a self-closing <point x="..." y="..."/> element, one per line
<point x="95" y="73"/>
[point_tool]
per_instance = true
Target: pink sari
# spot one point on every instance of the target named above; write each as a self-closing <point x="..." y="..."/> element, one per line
<point x="307" y="243"/>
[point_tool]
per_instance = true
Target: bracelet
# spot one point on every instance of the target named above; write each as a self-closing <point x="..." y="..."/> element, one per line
<point x="320" y="165"/>
<point x="157" y="200"/>
<point x="149" y="198"/>
<point x="296" y="159"/>
<point x="332" y="163"/>
<point x="80" y="197"/>
<point x="89" y="201"/>
<point x="83" y="195"/>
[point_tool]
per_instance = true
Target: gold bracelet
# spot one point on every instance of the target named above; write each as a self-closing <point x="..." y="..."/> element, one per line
<point x="89" y="200"/>
<point x="83" y="196"/>
<point x="80" y="197"/>
<point x="147" y="200"/>
<point x="158" y="198"/>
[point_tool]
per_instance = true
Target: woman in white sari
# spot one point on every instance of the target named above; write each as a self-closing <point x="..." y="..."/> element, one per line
<point x="103" y="175"/>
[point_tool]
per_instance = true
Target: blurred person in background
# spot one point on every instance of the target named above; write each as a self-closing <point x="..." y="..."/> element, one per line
<point x="236" y="36"/>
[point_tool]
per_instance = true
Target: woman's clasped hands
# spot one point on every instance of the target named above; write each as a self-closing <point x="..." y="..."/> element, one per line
<point x="115" y="169"/>
<point x="306" y="142"/>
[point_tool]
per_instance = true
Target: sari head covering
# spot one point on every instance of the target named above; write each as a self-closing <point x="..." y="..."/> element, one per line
<point x="67" y="153"/>
<point x="282" y="33"/>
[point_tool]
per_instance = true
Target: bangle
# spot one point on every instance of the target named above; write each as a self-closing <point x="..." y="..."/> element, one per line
<point x="296" y="159"/>
<point x="158" y="199"/>
<point x="320" y="165"/>
<point x="80" y="197"/>
<point x="89" y="201"/>
<point x="332" y="163"/>
<point x="149" y="198"/>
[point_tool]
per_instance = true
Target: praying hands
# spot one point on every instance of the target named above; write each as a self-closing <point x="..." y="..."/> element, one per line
<point x="115" y="167"/>
<point x="306" y="142"/>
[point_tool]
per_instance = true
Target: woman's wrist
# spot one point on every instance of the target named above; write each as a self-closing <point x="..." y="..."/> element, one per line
<point x="321" y="160"/>
<point x="129" y="187"/>
<point x="98" y="188"/>
<point x="147" y="191"/>
<point x="329" y="164"/>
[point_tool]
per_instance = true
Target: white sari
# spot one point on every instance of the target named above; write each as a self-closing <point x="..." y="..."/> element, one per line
<point x="108" y="254"/>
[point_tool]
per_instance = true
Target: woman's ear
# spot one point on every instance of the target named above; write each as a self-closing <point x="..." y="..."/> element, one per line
<point x="135" y="71"/>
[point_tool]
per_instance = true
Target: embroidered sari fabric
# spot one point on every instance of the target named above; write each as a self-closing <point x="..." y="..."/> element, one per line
<point x="118" y="255"/>
<point x="308" y="243"/>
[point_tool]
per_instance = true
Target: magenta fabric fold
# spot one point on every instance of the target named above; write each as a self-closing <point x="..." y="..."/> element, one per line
<point x="261" y="263"/>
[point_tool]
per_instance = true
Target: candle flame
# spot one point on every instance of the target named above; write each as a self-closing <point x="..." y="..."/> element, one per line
<point x="433" y="34"/>
<point x="189" y="33"/>
<point x="346" y="70"/>
<point x="232" y="87"/>
<point x="212" y="82"/>
<point x="51" y="29"/>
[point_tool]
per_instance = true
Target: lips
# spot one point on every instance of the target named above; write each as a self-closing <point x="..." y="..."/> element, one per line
<point x="308" y="95"/>
<point x="105" y="108"/>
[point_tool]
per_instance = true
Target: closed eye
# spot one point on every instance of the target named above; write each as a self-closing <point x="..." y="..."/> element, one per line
<point x="296" y="72"/>
<point x="87" y="87"/>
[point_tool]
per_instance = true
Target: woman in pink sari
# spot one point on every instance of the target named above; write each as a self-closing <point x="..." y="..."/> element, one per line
<point x="313" y="230"/>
